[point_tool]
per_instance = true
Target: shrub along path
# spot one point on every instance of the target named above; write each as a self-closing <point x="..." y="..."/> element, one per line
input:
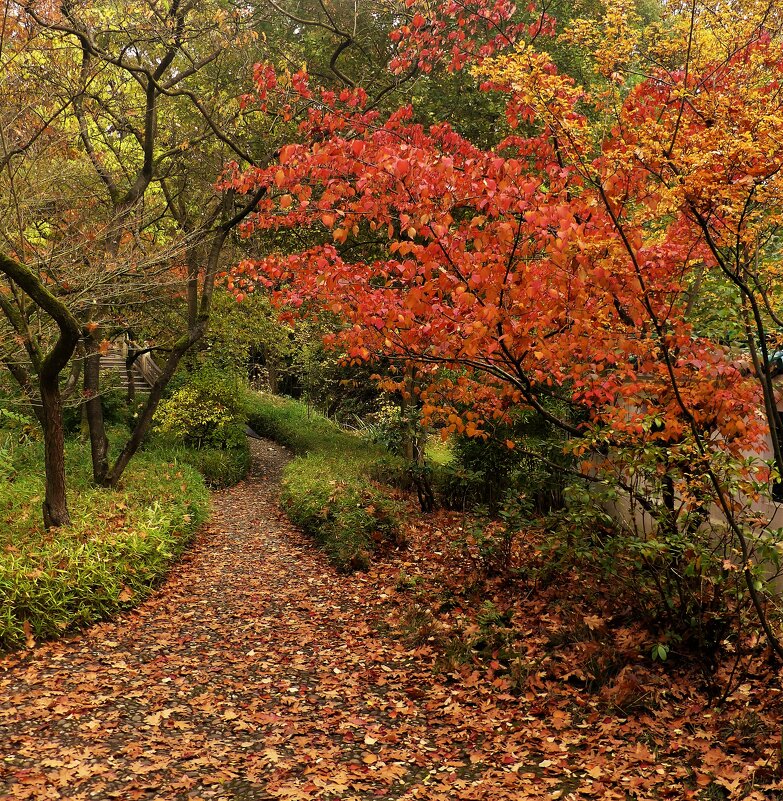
<point x="257" y="672"/>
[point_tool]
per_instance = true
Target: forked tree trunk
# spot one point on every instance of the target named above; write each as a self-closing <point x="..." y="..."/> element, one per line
<point x="55" y="506"/>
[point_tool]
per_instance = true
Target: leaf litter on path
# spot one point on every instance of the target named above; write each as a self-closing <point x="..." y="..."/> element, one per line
<point x="257" y="672"/>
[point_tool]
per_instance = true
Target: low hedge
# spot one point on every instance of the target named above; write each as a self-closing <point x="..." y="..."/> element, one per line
<point x="119" y="547"/>
<point x="331" y="489"/>
<point x="220" y="467"/>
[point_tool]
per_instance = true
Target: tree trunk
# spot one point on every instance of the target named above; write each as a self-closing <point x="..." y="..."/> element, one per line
<point x="274" y="382"/>
<point x="55" y="506"/>
<point x="99" y="443"/>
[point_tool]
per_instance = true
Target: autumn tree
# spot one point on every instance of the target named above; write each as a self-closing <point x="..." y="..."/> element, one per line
<point x="40" y="331"/>
<point x="133" y="121"/>
<point x="564" y="262"/>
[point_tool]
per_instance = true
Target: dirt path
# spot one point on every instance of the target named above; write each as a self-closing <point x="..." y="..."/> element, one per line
<point x="256" y="672"/>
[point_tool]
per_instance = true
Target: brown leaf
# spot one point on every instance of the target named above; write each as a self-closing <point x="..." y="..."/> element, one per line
<point x="29" y="639"/>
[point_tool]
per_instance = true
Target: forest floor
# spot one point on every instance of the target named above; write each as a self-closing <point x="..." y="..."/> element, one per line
<point x="257" y="672"/>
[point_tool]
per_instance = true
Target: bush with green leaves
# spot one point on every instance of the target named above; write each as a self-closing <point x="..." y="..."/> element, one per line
<point x="489" y="541"/>
<point x="333" y="488"/>
<point x="206" y="412"/>
<point x="345" y="512"/>
<point x="220" y="467"/>
<point x="17" y="431"/>
<point x="484" y="469"/>
<point x="202" y="420"/>
<point x="387" y="427"/>
<point x="683" y="580"/>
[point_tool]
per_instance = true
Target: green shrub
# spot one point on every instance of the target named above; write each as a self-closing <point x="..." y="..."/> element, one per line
<point x="220" y="467"/>
<point x="680" y="580"/>
<point x="388" y="427"/>
<point x="489" y="541"/>
<point x="118" y="548"/>
<point x="328" y="489"/>
<point x="18" y="426"/>
<point x="17" y="433"/>
<point x="457" y="487"/>
<point x="203" y="421"/>
<point x="348" y="515"/>
<point x="482" y="471"/>
<point x="204" y="413"/>
<point x="115" y="408"/>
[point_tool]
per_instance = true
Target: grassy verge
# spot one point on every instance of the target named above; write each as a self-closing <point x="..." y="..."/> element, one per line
<point x="220" y="467"/>
<point x="118" y="548"/>
<point x="332" y="489"/>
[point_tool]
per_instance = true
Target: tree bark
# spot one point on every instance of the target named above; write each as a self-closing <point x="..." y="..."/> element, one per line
<point x="274" y="383"/>
<point x="99" y="442"/>
<point x="55" y="505"/>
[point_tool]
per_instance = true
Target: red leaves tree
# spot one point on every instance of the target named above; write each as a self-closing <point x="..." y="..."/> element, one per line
<point x="565" y="261"/>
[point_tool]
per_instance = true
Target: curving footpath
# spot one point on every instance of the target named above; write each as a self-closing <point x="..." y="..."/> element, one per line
<point x="255" y="672"/>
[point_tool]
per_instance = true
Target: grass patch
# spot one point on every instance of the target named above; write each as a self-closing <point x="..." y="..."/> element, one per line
<point x="219" y="467"/>
<point x="438" y="452"/>
<point x="332" y="488"/>
<point x="119" y="547"/>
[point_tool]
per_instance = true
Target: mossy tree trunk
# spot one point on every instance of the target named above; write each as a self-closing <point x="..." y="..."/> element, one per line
<point x="48" y="366"/>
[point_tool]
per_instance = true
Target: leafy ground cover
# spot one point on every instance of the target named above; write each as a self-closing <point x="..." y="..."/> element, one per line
<point x="334" y="488"/>
<point x="258" y="672"/>
<point x="219" y="467"/>
<point x="583" y="676"/>
<point x="119" y="547"/>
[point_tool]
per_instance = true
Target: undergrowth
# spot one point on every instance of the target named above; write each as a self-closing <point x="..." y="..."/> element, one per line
<point x="119" y="547"/>
<point x="202" y="422"/>
<point x="333" y="489"/>
<point x="219" y="467"/>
